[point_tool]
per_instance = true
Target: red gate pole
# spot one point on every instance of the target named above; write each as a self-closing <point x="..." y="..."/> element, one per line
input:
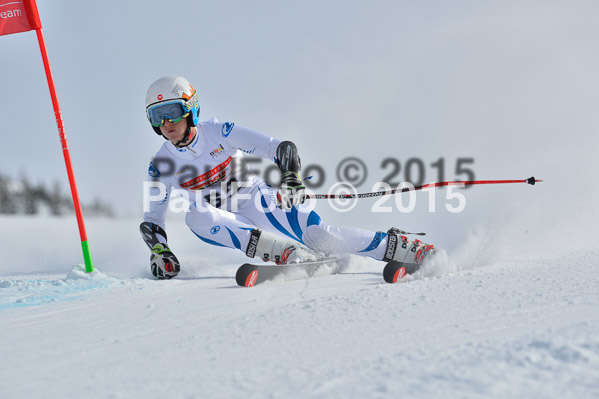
<point x="34" y="19"/>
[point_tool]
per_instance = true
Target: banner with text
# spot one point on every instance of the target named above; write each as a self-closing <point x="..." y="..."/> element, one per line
<point x="18" y="16"/>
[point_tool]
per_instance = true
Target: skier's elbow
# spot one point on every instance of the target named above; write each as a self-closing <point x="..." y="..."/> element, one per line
<point x="287" y="157"/>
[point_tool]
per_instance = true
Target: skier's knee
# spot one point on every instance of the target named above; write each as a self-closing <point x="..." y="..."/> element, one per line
<point x="199" y="217"/>
<point x="317" y="237"/>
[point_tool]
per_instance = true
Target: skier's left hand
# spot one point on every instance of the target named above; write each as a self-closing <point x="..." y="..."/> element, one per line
<point x="163" y="263"/>
<point x="292" y="191"/>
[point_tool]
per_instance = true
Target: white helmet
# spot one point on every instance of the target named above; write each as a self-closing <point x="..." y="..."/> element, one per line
<point x="172" y="98"/>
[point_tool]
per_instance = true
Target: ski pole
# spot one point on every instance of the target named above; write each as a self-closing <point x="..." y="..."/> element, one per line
<point x="530" y="180"/>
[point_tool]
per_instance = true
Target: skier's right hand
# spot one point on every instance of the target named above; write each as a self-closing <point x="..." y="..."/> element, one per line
<point x="291" y="192"/>
<point x="163" y="262"/>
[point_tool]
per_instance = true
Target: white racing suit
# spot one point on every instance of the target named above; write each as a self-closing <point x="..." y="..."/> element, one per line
<point x="227" y="202"/>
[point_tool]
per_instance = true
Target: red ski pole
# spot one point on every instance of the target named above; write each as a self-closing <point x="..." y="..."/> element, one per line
<point x="530" y="181"/>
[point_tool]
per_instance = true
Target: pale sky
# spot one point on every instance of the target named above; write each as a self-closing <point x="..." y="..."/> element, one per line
<point x="512" y="84"/>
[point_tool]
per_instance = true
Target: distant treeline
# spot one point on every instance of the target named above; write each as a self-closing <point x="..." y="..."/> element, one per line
<point x="21" y="197"/>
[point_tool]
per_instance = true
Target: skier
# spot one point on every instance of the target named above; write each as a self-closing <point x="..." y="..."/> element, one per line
<point x="232" y="208"/>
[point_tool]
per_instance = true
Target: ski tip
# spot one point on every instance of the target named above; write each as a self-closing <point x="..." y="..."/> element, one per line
<point x="250" y="280"/>
<point x="393" y="271"/>
<point x="246" y="276"/>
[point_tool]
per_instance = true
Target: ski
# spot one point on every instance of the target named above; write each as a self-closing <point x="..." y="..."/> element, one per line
<point x="395" y="270"/>
<point x="249" y="275"/>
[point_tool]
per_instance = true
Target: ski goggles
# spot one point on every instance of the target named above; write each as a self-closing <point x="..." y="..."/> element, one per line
<point x="173" y="112"/>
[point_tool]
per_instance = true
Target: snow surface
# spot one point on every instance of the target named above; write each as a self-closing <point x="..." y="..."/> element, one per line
<point x="518" y="325"/>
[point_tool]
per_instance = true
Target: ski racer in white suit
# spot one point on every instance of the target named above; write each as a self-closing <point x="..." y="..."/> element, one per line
<point x="233" y="209"/>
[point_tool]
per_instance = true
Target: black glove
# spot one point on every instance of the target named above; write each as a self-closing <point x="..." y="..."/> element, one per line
<point x="292" y="191"/>
<point x="163" y="262"/>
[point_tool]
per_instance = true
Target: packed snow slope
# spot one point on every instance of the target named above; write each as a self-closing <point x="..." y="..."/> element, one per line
<point x="492" y="321"/>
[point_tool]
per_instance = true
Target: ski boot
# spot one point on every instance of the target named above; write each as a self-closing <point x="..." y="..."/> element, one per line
<point x="402" y="256"/>
<point x="277" y="249"/>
